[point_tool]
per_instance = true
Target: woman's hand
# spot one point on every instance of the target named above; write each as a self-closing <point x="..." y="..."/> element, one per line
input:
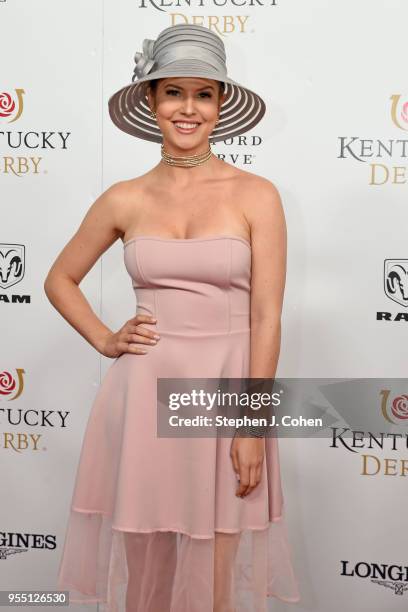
<point x="247" y="456"/>
<point x="124" y="340"/>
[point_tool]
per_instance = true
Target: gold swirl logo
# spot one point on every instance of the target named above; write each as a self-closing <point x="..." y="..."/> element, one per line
<point x="8" y="105"/>
<point x="396" y="410"/>
<point x="399" y="111"/>
<point x="9" y="384"/>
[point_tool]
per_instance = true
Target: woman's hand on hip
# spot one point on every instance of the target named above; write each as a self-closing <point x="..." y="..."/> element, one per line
<point x="130" y="338"/>
<point x="247" y="455"/>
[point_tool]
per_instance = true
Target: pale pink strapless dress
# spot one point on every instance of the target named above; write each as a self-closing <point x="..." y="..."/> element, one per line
<point x="171" y="494"/>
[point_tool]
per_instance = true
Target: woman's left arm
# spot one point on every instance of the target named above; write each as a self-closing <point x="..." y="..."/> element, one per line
<point x="269" y="242"/>
<point x="268" y="276"/>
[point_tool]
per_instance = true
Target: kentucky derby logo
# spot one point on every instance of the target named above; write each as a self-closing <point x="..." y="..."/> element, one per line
<point x="399" y="111"/>
<point x="214" y="18"/>
<point x="9" y="386"/>
<point x="11" y="106"/>
<point x="394" y="410"/>
<point x="17" y="162"/>
<point x="383" y="156"/>
<point x="396" y="280"/>
<point x="161" y="5"/>
<point x="12" y="260"/>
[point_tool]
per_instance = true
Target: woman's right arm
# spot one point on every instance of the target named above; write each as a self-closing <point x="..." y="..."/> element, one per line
<point x="99" y="229"/>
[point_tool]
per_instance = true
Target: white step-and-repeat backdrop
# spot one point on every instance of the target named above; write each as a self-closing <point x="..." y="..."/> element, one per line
<point x="335" y="143"/>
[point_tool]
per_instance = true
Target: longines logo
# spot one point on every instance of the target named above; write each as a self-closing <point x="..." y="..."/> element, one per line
<point x="14" y="542"/>
<point x="11" y="388"/>
<point x="220" y="24"/>
<point x="11" y="111"/>
<point x="395" y="288"/>
<point x="394" y="409"/>
<point x="366" y="149"/>
<point x="394" y="577"/>
<point x="12" y="266"/>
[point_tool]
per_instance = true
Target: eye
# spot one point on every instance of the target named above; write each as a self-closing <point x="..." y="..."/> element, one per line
<point x="205" y="94"/>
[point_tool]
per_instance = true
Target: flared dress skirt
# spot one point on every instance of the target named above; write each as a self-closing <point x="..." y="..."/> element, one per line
<point x="155" y="524"/>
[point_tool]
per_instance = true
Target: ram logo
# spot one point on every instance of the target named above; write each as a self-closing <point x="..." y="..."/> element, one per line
<point x="396" y="280"/>
<point x="12" y="260"/>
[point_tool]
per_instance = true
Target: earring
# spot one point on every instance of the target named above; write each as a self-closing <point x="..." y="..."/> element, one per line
<point x="153" y="114"/>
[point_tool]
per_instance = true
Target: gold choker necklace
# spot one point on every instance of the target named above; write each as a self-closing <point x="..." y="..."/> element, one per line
<point x="185" y="160"/>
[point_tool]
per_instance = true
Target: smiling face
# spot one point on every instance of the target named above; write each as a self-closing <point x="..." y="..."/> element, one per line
<point x="187" y="109"/>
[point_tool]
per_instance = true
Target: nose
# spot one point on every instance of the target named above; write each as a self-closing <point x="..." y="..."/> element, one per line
<point x="188" y="105"/>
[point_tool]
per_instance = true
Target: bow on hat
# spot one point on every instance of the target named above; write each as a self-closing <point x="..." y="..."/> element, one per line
<point x="144" y="61"/>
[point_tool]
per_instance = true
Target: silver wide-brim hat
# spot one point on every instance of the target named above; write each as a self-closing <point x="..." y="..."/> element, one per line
<point x="184" y="51"/>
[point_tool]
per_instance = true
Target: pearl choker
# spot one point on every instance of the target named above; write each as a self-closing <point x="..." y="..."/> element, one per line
<point x="185" y="160"/>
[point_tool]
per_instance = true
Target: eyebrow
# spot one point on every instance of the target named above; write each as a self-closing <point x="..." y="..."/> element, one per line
<point x="199" y="89"/>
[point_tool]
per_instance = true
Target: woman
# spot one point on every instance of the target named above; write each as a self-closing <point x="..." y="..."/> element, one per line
<point x="161" y="524"/>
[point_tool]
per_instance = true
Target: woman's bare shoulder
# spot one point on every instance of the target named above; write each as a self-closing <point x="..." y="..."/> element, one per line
<point x="117" y="204"/>
<point x="125" y="194"/>
<point x="255" y="191"/>
<point x="126" y="189"/>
